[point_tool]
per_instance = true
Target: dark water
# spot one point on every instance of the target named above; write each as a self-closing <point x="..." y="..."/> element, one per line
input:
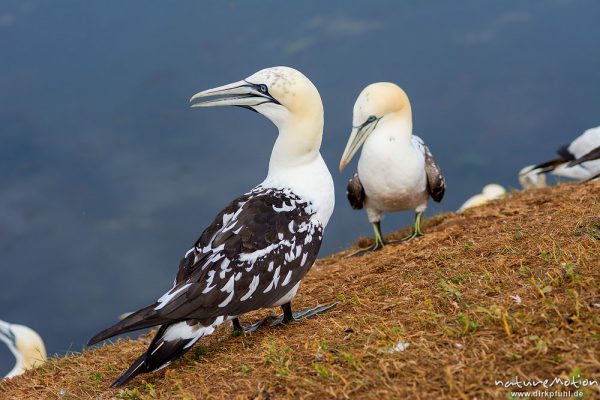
<point x="107" y="176"/>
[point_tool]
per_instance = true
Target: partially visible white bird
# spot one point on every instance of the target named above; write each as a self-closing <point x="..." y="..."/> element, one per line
<point x="396" y="170"/>
<point x="25" y="344"/>
<point x="490" y="192"/>
<point x="531" y="179"/>
<point x="578" y="160"/>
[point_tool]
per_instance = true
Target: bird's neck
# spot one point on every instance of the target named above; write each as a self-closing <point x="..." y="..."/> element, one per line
<point x="297" y="144"/>
<point x="397" y="124"/>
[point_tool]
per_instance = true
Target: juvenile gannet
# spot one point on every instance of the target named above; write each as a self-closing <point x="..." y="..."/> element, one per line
<point x="257" y="250"/>
<point x="529" y="178"/>
<point x="578" y="160"/>
<point x="25" y="344"/>
<point x="490" y="192"/>
<point x="396" y="170"/>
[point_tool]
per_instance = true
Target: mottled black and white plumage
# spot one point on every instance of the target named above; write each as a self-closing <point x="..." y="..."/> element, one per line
<point x="259" y="247"/>
<point x="579" y="160"/>
<point x="251" y="256"/>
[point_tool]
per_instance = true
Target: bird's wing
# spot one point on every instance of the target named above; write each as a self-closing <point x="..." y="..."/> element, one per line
<point x="564" y="156"/>
<point x="436" y="184"/>
<point x="591" y="156"/>
<point x="254" y="252"/>
<point x="355" y="192"/>
<point x="584" y="143"/>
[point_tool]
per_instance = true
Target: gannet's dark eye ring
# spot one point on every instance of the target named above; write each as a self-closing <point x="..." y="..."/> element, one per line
<point x="371" y="119"/>
<point x="263" y="88"/>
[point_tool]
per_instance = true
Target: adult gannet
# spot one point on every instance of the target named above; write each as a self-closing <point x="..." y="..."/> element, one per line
<point x="490" y="192"/>
<point x="257" y="250"/>
<point x="25" y="344"/>
<point x="396" y="170"/>
<point x="578" y="160"/>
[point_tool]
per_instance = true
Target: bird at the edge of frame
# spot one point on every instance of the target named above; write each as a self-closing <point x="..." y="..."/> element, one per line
<point x="578" y="160"/>
<point x="396" y="171"/>
<point x="25" y="344"/>
<point x="258" y="249"/>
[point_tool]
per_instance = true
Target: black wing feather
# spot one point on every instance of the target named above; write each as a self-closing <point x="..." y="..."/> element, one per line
<point x="436" y="184"/>
<point x="355" y="192"/>
<point x="564" y="156"/>
<point x="591" y="156"/>
<point x="564" y="153"/>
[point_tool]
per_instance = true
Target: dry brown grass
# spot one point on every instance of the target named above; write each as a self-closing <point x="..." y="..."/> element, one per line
<point x="448" y="294"/>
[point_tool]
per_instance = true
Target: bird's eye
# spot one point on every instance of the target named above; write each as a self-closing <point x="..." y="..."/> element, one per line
<point x="371" y="119"/>
<point x="262" y="88"/>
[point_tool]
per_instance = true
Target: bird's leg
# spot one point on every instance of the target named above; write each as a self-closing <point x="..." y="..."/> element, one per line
<point x="416" y="229"/>
<point x="379" y="242"/>
<point x="238" y="329"/>
<point x="289" y="316"/>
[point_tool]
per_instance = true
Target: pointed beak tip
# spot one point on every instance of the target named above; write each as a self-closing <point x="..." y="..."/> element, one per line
<point x="343" y="164"/>
<point x="196" y="96"/>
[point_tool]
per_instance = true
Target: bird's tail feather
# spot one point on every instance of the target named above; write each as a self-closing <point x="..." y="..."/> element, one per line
<point x="144" y="318"/>
<point x="549" y="165"/>
<point x="171" y="342"/>
<point x="136" y="368"/>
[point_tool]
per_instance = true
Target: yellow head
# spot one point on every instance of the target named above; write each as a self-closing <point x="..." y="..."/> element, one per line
<point x="279" y="93"/>
<point x="377" y="101"/>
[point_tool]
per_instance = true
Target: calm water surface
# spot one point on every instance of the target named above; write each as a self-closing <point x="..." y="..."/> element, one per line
<point x="107" y="176"/>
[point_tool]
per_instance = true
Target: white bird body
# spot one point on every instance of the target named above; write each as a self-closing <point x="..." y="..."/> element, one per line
<point x="392" y="171"/>
<point x="25" y="344"/>
<point x="583" y="144"/>
<point x="577" y="172"/>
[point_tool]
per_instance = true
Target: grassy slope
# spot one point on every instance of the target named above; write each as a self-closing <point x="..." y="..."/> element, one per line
<point x="448" y="294"/>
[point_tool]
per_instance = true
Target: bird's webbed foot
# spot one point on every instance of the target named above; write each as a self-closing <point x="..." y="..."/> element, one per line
<point x="239" y="330"/>
<point x="416" y="232"/>
<point x="289" y="316"/>
<point x="379" y="242"/>
<point x="376" y="246"/>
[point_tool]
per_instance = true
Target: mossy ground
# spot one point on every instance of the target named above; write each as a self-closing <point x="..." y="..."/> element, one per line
<point x="507" y="289"/>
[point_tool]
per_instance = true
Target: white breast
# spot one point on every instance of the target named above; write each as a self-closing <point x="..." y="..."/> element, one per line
<point x="392" y="172"/>
<point x="312" y="182"/>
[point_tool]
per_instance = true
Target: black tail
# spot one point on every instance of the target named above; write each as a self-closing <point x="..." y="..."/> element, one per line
<point x="550" y="165"/>
<point x="144" y="318"/>
<point x="136" y="368"/>
<point x="166" y="347"/>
